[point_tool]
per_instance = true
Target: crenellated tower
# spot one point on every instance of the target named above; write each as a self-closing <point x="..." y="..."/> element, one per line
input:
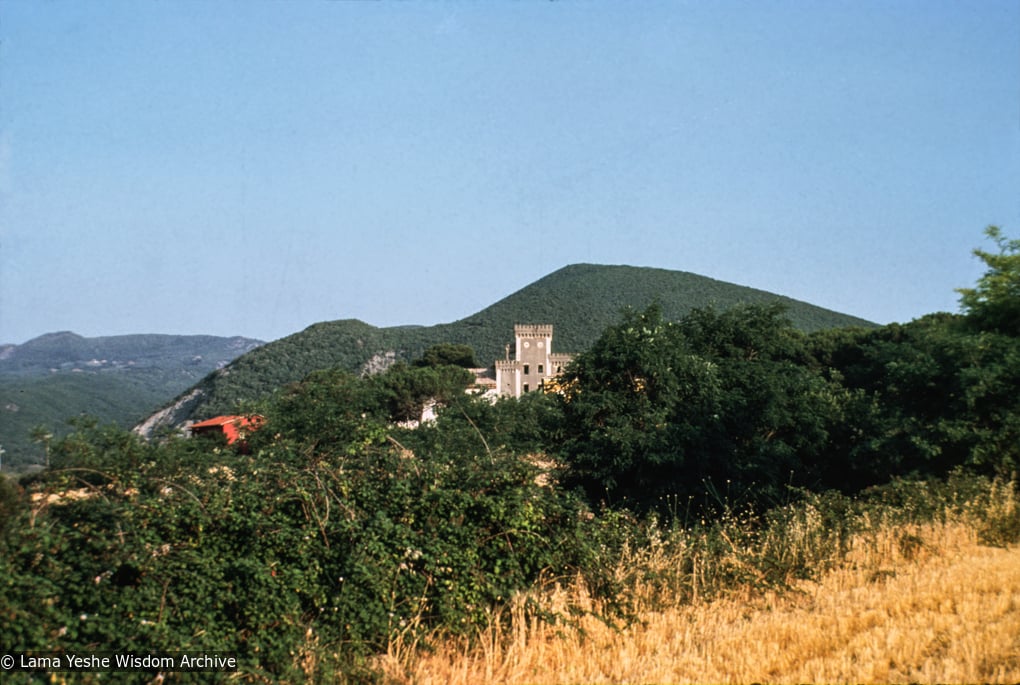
<point x="534" y="361"/>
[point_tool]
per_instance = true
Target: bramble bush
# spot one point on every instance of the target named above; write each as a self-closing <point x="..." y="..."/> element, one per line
<point x="314" y="547"/>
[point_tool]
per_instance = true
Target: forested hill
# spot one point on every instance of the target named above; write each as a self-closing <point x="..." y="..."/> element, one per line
<point x="67" y="351"/>
<point x="579" y="300"/>
<point x="117" y="379"/>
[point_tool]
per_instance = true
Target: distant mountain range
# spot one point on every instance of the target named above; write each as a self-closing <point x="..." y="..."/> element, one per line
<point x="579" y="300"/>
<point x="67" y="351"/>
<point x="119" y="379"/>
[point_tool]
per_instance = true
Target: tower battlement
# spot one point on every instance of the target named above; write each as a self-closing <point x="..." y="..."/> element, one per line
<point x="533" y="330"/>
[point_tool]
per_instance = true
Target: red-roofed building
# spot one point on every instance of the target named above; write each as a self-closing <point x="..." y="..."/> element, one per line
<point x="233" y="427"/>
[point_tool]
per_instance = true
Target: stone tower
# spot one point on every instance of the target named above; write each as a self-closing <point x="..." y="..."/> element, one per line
<point x="534" y="361"/>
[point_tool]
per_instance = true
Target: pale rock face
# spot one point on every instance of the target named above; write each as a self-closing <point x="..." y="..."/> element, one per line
<point x="379" y="363"/>
<point x="169" y="415"/>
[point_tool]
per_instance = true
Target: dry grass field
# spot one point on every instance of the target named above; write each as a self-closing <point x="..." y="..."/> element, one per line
<point x="943" y="608"/>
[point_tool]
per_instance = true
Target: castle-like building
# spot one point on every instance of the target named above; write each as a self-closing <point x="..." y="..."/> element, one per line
<point x="533" y="362"/>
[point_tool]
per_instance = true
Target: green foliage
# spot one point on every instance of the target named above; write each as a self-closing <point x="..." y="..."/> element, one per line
<point x="715" y="403"/>
<point x="328" y="534"/>
<point x="334" y="407"/>
<point x="922" y="398"/>
<point x="738" y="406"/>
<point x="347" y="345"/>
<point x="407" y="390"/>
<point x="448" y="354"/>
<point x="475" y="424"/>
<point x="580" y="300"/>
<point x="331" y="410"/>
<point x="994" y="303"/>
<point x="10" y="501"/>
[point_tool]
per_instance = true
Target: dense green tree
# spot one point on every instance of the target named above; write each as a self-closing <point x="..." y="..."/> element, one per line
<point x="716" y="402"/>
<point x="994" y="303"/>
<point x="448" y="354"/>
<point x="330" y="411"/>
<point x="406" y="390"/>
<point x="922" y="398"/>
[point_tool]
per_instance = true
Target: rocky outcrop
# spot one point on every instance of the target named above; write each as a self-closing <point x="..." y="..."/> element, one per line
<point x="170" y="416"/>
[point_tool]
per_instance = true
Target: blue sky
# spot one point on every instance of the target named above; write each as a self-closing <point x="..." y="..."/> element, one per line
<point x="251" y="168"/>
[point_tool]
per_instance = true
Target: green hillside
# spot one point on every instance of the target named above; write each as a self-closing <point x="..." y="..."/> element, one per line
<point x="116" y="379"/>
<point x="580" y="300"/>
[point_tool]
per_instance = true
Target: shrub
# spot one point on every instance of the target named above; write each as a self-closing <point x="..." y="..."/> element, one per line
<point x="259" y="555"/>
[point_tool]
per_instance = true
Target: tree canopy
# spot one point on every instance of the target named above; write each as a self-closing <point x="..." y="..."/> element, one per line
<point x="994" y="303"/>
<point x="448" y="354"/>
<point x="714" y="402"/>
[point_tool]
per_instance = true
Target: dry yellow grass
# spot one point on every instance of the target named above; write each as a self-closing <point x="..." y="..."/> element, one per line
<point x="948" y="611"/>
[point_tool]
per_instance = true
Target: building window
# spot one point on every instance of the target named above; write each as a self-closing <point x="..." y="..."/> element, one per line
<point x="541" y="368"/>
<point x="526" y="388"/>
<point x="526" y="370"/>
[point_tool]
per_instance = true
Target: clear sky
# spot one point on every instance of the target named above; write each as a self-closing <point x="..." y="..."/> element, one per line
<point x="251" y="168"/>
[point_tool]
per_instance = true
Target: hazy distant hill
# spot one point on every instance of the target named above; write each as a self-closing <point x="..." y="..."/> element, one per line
<point x="119" y="379"/>
<point x="580" y="300"/>
<point x="66" y="351"/>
